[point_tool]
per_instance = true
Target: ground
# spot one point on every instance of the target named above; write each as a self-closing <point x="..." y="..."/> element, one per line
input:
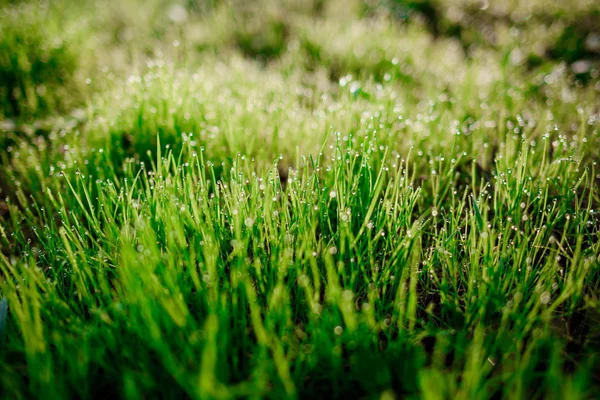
<point x="300" y="199"/>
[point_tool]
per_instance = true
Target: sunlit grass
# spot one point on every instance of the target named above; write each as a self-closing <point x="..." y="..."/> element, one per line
<point x="333" y="200"/>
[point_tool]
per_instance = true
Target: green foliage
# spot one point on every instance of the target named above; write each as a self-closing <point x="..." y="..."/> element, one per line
<point x="39" y="57"/>
<point x="322" y="200"/>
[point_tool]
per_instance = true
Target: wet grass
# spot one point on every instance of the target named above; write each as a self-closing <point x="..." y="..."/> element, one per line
<point x="37" y="62"/>
<point x="300" y="199"/>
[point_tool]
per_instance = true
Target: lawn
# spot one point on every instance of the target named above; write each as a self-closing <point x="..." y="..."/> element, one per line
<point x="300" y="199"/>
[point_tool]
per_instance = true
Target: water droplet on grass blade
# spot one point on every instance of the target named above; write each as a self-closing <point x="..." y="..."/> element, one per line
<point x="545" y="298"/>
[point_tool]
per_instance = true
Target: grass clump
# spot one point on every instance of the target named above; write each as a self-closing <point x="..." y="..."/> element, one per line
<point x="40" y="57"/>
<point x="356" y="208"/>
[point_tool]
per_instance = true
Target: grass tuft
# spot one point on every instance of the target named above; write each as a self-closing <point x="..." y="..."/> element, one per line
<point x="325" y="199"/>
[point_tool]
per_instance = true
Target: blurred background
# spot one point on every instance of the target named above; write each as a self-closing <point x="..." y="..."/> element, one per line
<point x="55" y="54"/>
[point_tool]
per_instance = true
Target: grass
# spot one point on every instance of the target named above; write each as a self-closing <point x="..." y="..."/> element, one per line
<point x="324" y="199"/>
<point x="38" y="61"/>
